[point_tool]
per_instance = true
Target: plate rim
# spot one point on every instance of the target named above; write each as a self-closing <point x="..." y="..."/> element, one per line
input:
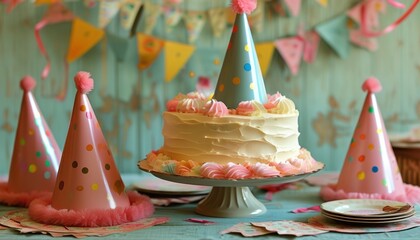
<point x="332" y="205"/>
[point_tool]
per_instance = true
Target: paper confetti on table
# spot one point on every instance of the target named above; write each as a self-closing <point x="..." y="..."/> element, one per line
<point x="166" y="201"/>
<point x="289" y="228"/>
<point x="315" y="208"/>
<point x="202" y="221"/>
<point x="20" y="221"/>
<point x="323" y="223"/>
<point x="247" y="230"/>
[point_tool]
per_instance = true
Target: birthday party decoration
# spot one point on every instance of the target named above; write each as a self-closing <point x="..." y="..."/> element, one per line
<point x="240" y="78"/>
<point x="151" y="15"/>
<point x="217" y="18"/>
<point x="291" y="49"/>
<point x="370" y="169"/>
<point x="265" y="53"/>
<point x="293" y="6"/>
<point x="89" y="191"/>
<point x="148" y="48"/>
<point x="335" y="33"/>
<point x="128" y="12"/>
<point x="107" y="10"/>
<point x="194" y="22"/>
<point x="83" y="37"/>
<point x="36" y="155"/>
<point x="176" y="55"/>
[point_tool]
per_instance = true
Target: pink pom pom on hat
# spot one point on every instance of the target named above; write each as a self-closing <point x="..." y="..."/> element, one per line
<point x="35" y="157"/>
<point x="244" y="6"/>
<point x="89" y="191"/>
<point x="370" y="169"/>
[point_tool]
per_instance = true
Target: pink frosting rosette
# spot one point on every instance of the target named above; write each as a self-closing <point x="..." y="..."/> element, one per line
<point x="273" y="100"/>
<point x="212" y="170"/>
<point x="250" y="108"/>
<point x="215" y="108"/>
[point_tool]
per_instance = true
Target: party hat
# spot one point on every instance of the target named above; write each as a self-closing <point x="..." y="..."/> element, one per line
<point x="36" y="154"/>
<point x="240" y="78"/>
<point x="88" y="184"/>
<point x="370" y="168"/>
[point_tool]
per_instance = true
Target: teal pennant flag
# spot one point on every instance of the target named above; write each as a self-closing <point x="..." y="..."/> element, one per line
<point x="336" y="34"/>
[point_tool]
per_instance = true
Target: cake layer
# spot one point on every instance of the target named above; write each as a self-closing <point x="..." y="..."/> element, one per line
<point x="232" y="138"/>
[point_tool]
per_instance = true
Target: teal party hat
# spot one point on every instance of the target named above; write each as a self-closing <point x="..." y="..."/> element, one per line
<point x="240" y="78"/>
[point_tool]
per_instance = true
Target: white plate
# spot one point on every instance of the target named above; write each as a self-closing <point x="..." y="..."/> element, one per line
<point x="362" y="207"/>
<point x="384" y="221"/>
<point x="153" y="185"/>
<point x="372" y="219"/>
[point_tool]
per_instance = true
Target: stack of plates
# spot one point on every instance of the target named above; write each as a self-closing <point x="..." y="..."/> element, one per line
<point x="374" y="211"/>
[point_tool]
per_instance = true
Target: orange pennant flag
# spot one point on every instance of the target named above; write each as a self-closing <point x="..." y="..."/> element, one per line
<point x="148" y="48"/>
<point x="265" y="54"/>
<point x="40" y="2"/>
<point x="176" y="55"/>
<point x="82" y="38"/>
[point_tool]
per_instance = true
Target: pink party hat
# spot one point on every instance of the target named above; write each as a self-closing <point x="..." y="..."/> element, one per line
<point x="240" y="78"/>
<point x="370" y="168"/>
<point x="88" y="184"/>
<point x="36" y="155"/>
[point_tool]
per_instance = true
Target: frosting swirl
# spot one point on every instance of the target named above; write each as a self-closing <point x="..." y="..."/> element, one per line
<point x="283" y="106"/>
<point x="273" y="100"/>
<point x="250" y="108"/>
<point x="190" y="105"/>
<point x="215" y="108"/>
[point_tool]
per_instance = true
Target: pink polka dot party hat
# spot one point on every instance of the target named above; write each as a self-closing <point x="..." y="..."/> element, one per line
<point x="89" y="191"/>
<point x="240" y="78"/>
<point x="370" y="168"/>
<point x="35" y="157"/>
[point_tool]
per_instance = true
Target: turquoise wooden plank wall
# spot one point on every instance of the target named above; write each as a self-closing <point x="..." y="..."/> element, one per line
<point x="128" y="102"/>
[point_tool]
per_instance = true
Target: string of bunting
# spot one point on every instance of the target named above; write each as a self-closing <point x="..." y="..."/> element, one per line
<point x="359" y="25"/>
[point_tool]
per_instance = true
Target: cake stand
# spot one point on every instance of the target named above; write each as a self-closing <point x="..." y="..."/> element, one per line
<point x="229" y="198"/>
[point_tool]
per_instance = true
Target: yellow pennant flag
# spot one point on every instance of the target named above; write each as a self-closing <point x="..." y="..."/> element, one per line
<point x="176" y="55"/>
<point x="265" y="54"/>
<point x="148" y="48"/>
<point x="323" y="3"/>
<point x="82" y="38"/>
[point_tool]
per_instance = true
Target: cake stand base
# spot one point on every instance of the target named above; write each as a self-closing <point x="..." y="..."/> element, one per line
<point x="230" y="202"/>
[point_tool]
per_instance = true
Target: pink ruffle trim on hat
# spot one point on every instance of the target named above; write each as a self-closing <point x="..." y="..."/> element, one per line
<point x="330" y="192"/>
<point x="140" y="207"/>
<point x="19" y="199"/>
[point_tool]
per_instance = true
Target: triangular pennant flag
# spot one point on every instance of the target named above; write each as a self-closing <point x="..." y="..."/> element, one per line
<point x="336" y="34"/>
<point x="293" y="6"/>
<point x="107" y="10"/>
<point x="357" y="38"/>
<point x="194" y="21"/>
<point x="82" y="38"/>
<point x="265" y="54"/>
<point x="291" y="49"/>
<point x="148" y="48"/>
<point x="128" y="12"/>
<point x="217" y="18"/>
<point x="173" y="16"/>
<point x="354" y="13"/>
<point x="152" y="12"/>
<point x="256" y="18"/>
<point x="176" y="55"/>
<point x="89" y="3"/>
<point x="119" y="45"/>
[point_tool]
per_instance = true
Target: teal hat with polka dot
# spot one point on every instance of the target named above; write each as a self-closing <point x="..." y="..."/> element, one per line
<point x="240" y="78"/>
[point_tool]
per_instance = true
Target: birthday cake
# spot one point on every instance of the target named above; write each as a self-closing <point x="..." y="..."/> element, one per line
<point x="241" y="132"/>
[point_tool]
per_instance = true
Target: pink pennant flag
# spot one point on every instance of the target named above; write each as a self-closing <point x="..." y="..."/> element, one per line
<point x="291" y="49"/>
<point x="294" y="6"/>
<point x="55" y="13"/>
<point x="357" y="38"/>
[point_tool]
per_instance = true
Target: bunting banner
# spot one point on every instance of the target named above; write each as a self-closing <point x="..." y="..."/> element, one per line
<point x="41" y="2"/>
<point x="217" y="19"/>
<point x="265" y="54"/>
<point x="151" y="15"/>
<point x="173" y="16"/>
<point x="194" y="22"/>
<point x="176" y="56"/>
<point x="55" y="13"/>
<point x="310" y="51"/>
<point x="149" y="49"/>
<point x="291" y="49"/>
<point x="107" y="11"/>
<point x="256" y="18"/>
<point x="357" y="38"/>
<point x="336" y="34"/>
<point x="128" y="12"/>
<point x="293" y="6"/>
<point x="83" y="37"/>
